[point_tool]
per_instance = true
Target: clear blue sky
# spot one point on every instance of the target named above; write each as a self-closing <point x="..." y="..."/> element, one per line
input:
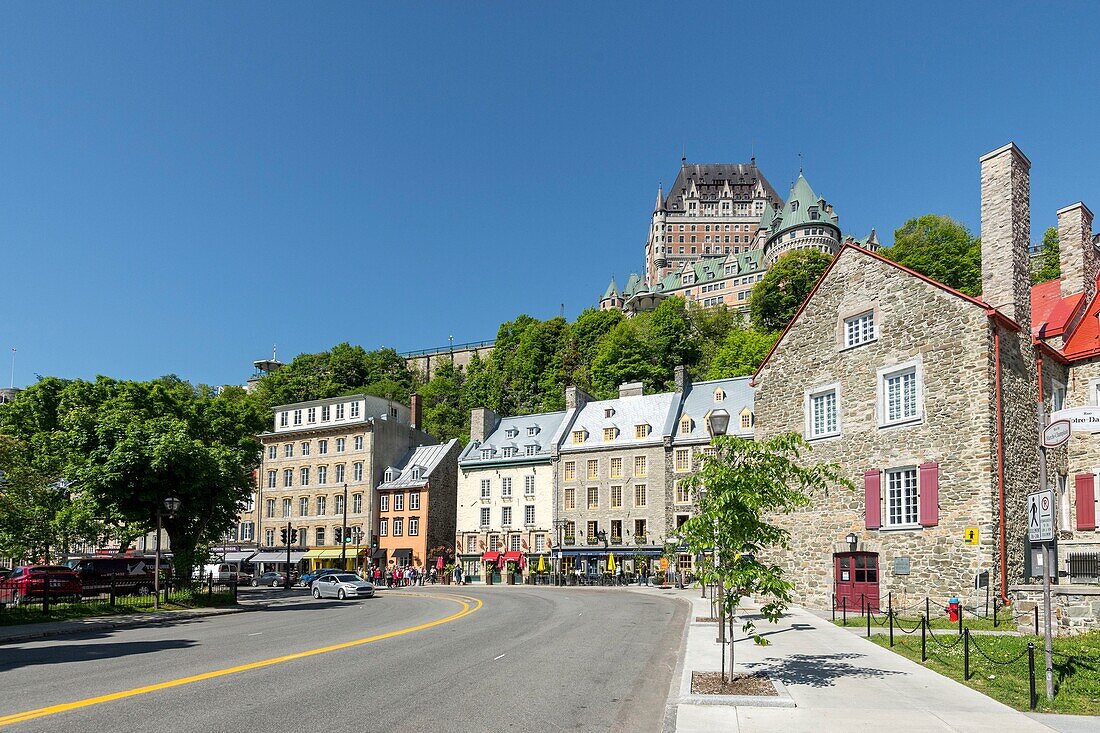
<point x="183" y="185"/>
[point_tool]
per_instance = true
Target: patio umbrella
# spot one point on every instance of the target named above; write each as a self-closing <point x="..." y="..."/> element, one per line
<point x="611" y="562"/>
<point x="542" y="563"/>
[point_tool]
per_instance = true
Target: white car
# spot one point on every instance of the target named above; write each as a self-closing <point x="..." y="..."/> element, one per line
<point x="343" y="585"/>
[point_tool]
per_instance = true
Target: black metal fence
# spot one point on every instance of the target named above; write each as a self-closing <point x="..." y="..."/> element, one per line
<point x="52" y="604"/>
<point x="1083" y="567"/>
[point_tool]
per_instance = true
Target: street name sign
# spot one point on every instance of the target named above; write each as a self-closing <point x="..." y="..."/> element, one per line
<point x="1056" y="433"/>
<point x="1040" y="516"/>
<point x="1081" y="419"/>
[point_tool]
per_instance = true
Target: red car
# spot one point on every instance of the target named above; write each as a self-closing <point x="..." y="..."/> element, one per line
<point x="34" y="582"/>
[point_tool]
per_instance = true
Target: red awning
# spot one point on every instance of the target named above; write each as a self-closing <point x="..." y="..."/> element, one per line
<point x="512" y="556"/>
<point x="490" y="557"/>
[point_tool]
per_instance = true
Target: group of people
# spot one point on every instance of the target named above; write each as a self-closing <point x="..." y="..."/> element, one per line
<point x="395" y="576"/>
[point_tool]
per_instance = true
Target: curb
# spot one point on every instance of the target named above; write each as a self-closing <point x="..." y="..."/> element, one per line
<point x="782" y="698"/>
<point x="121" y="623"/>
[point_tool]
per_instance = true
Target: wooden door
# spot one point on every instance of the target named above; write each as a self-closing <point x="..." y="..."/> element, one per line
<point x="855" y="579"/>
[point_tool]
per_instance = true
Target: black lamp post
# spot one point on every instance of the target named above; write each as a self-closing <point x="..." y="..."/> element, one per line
<point x="172" y="505"/>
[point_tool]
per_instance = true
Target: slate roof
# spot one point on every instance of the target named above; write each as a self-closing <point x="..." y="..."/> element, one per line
<point x="656" y="410"/>
<point x="702" y="399"/>
<point x="612" y="290"/>
<point x="714" y="268"/>
<point x="798" y="211"/>
<point x="512" y="432"/>
<point x="426" y="457"/>
<point x="710" y="177"/>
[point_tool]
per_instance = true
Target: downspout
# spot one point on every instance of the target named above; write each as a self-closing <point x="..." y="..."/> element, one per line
<point x="1000" y="457"/>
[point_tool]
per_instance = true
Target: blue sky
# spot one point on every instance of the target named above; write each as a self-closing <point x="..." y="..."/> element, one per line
<point x="184" y="185"/>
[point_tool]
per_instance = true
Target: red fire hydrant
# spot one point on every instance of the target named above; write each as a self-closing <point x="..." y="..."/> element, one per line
<point x="953" y="608"/>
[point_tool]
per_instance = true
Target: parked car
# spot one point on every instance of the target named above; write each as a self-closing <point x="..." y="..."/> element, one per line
<point x="271" y="578"/>
<point x="223" y="573"/>
<point x="312" y="575"/>
<point x="37" y="581"/>
<point x="342" y="585"/>
<point x="122" y="574"/>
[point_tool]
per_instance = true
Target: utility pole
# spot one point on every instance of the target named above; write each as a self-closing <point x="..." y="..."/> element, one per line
<point x="1048" y="554"/>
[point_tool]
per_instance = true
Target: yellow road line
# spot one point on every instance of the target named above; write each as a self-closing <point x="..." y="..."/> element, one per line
<point x="469" y="605"/>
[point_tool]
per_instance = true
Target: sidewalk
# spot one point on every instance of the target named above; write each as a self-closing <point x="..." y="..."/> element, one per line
<point x="30" y="632"/>
<point x="838" y="682"/>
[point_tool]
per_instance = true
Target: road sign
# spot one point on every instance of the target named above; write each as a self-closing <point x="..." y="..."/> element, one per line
<point x="971" y="535"/>
<point x="1082" y="419"/>
<point x="1040" y="516"/>
<point x="1056" y="433"/>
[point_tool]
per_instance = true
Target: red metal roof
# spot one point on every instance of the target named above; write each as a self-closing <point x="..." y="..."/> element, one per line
<point x="1050" y="312"/>
<point x="1084" y="340"/>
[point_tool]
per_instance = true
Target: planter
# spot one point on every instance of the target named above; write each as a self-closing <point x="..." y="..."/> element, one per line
<point x="511" y="578"/>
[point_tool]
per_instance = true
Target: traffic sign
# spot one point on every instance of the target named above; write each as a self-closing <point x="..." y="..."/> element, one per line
<point x="971" y="535"/>
<point x="1056" y="433"/>
<point x="1040" y="516"/>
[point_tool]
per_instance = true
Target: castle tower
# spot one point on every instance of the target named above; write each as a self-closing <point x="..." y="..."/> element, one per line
<point x="806" y="221"/>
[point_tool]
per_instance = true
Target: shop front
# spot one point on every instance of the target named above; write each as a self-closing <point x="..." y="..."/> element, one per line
<point x="266" y="560"/>
<point x="331" y="558"/>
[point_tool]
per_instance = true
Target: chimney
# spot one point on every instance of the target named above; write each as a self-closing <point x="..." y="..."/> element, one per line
<point x="482" y="422"/>
<point x="1077" y="256"/>
<point x="631" y="389"/>
<point x="1006" y="233"/>
<point x="683" y="379"/>
<point x="416" y="410"/>
<point x="576" y="398"/>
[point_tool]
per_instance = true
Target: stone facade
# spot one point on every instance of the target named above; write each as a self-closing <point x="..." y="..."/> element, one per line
<point x="1075" y="609"/>
<point x="416" y="507"/>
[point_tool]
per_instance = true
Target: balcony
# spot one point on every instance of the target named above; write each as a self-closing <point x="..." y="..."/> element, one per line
<point x="616" y="540"/>
<point x="639" y="539"/>
<point x="570" y="539"/>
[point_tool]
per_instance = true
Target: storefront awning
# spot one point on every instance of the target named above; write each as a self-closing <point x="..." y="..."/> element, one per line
<point x="403" y="554"/>
<point x="329" y="554"/>
<point x="241" y="556"/>
<point x="295" y="556"/>
<point x="378" y="555"/>
<point x="490" y="557"/>
<point x="512" y="556"/>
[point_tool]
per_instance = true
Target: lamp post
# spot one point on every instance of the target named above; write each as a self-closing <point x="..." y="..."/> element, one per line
<point x="344" y="533"/>
<point x="719" y="424"/>
<point x="61" y="486"/>
<point x="172" y="504"/>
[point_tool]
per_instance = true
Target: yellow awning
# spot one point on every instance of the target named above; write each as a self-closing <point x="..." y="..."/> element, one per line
<point x="329" y="554"/>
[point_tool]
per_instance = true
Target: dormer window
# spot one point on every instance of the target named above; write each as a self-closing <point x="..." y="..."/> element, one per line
<point x="719" y="395"/>
<point x="814" y="214"/>
<point x="533" y="430"/>
<point x="416" y="473"/>
<point x="685" y="425"/>
<point x="508" y="452"/>
<point x="746" y="419"/>
<point x="390" y="475"/>
<point x="511" y="432"/>
<point x="579" y="436"/>
<point x="609" y="412"/>
<point x="610" y="434"/>
<point x="486" y="453"/>
<point x="641" y="431"/>
<point x="794" y="206"/>
<point x="533" y="450"/>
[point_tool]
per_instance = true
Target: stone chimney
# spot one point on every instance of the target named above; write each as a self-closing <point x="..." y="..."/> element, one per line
<point x="482" y="422"/>
<point x="683" y="379"/>
<point x="1006" y="233"/>
<point x="416" y="411"/>
<point x="1078" y="257"/>
<point x="631" y="389"/>
<point x="576" y="398"/>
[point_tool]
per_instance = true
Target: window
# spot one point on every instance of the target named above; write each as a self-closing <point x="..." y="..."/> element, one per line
<point x="311" y="415"/>
<point x="383" y="502"/>
<point x="639" y="466"/>
<point x="859" y="329"/>
<point x="570" y="498"/>
<point x="506" y="487"/>
<point x="486" y="453"/>
<point x="340" y="473"/>
<point x="270" y="508"/>
<point x="570" y="470"/>
<point x="338" y="502"/>
<point x="284" y="419"/>
<point x="823" y="416"/>
<point x="354" y="409"/>
<point x="414" y="526"/>
<point x="683" y="495"/>
<point x="578" y="436"/>
<point x="288" y="477"/>
<point x="326" y="413"/>
<point x="593" y="468"/>
<point x="297" y="417"/>
<point x="899" y="395"/>
<point x="719" y="395"/>
<point x="746" y="420"/>
<point x="320" y="534"/>
<point x="610" y="434"/>
<point x="383" y="527"/>
<point x="508" y="452"/>
<point x="398" y="527"/>
<point x="901" y="497"/>
<point x="616" y="468"/>
<point x="303" y="477"/>
<point x="685" y="425"/>
<point x="485" y="488"/>
<point x="639" y="530"/>
<point x="399" y="502"/>
<point x="513" y="543"/>
<point x="609" y="412"/>
<point x="471" y="544"/>
<point x="414" y="500"/>
<point x="288" y="450"/>
<point x="340" y="442"/>
<point x="357" y="472"/>
<point x="340" y="411"/>
<point x="540" y="543"/>
<point x="269" y="538"/>
<point x="271" y="479"/>
<point x="532" y="450"/>
<point x="529" y="515"/>
<point x="320" y="506"/>
<point x="303" y="506"/>
<point x="322" y="447"/>
<point x="494" y="543"/>
<point x="593" y="531"/>
<point x="357" y="503"/>
<point x="358" y="442"/>
<point x="286" y="507"/>
<point x="533" y="430"/>
<point x="528" y="486"/>
<point x="683" y="460"/>
<point x="639" y="495"/>
<point x="1057" y="398"/>
<point x="322" y="474"/>
<point x="570" y="532"/>
<point x="506" y="516"/>
<point x="272" y="452"/>
<point x="616" y="497"/>
<point x="484" y="516"/>
<point x="593" y="497"/>
<point x="641" y="431"/>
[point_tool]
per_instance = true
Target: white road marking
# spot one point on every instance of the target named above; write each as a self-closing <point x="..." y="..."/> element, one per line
<point x="500" y="657"/>
<point x="256" y="634"/>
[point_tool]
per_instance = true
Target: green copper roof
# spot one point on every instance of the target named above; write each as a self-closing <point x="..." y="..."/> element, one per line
<point x="714" y="268"/>
<point x="632" y="285"/>
<point x="803" y="207"/>
<point x="612" y="291"/>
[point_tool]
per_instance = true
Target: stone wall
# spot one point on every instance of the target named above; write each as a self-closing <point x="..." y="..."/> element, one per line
<point x="1075" y="609"/>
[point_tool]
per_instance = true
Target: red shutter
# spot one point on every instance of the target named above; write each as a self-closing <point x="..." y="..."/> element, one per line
<point x="1086" y="500"/>
<point x="929" y="485"/>
<point x="871" y="499"/>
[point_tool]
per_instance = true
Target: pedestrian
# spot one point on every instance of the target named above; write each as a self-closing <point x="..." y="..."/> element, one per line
<point x="458" y="574"/>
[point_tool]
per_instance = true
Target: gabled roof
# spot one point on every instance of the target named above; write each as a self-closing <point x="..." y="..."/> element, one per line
<point x="710" y="178"/>
<point x="427" y="458"/>
<point x="544" y="425"/>
<point x="626" y="412"/>
<point x="1050" y="312"/>
<point x="632" y="284"/>
<point x="612" y="290"/>
<point x="845" y="248"/>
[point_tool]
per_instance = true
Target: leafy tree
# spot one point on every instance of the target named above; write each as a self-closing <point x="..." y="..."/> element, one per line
<point x="738" y="489"/>
<point x="740" y="353"/>
<point x="343" y="369"/>
<point x="445" y="413"/>
<point x="788" y="282"/>
<point x="1049" y="266"/>
<point x="941" y="248"/>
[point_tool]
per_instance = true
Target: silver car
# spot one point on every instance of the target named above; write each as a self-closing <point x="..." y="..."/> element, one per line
<point x="343" y="585"/>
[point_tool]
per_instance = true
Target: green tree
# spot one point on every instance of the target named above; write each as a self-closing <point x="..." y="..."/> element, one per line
<point x="740" y="353"/>
<point x="940" y="248"/>
<point x="343" y="369"/>
<point x="1049" y="266"/>
<point x="787" y="283"/>
<point x="738" y="489"/>
<point x="445" y="413"/>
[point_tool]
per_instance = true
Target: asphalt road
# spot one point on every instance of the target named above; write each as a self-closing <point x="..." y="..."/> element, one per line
<point x="548" y="659"/>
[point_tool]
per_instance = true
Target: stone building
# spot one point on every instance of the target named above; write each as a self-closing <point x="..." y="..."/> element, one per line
<point x="314" y="450"/>
<point x="505" y="504"/>
<point x="416" y="507"/>
<point x="925" y="397"/>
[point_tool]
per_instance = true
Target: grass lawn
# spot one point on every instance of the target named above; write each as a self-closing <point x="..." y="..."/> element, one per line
<point x="1076" y="668"/>
<point x="178" y="601"/>
<point x="1006" y="621"/>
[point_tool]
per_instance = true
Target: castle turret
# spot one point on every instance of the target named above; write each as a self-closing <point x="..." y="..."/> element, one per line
<point x="806" y="221"/>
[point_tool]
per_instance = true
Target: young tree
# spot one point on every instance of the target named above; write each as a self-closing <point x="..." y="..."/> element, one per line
<point x="777" y="297"/>
<point x="941" y="248"/>
<point x="1049" y="265"/>
<point x="738" y="490"/>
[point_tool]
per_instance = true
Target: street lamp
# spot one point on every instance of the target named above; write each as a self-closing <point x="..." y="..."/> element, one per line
<point x="852" y="540"/>
<point x="719" y="421"/>
<point x="172" y="505"/>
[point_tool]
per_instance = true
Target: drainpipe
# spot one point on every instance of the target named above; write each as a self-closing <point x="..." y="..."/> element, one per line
<point x="1000" y="457"/>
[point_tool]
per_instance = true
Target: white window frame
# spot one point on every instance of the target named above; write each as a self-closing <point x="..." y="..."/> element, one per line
<point x="894" y="370"/>
<point x="485" y="517"/>
<point x="506" y="516"/>
<point x="414" y="526"/>
<point x="414" y="500"/>
<point x="845" y="343"/>
<point x="808" y="410"/>
<point x="506" y="487"/>
<point x="887" y="520"/>
<point x="1057" y="389"/>
<point x="529" y="515"/>
<point x="486" y="488"/>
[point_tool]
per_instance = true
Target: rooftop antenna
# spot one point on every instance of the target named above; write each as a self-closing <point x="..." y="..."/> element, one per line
<point x="273" y="352"/>
<point x="683" y="153"/>
<point x="800" y="164"/>
<point x="753" y="149"/>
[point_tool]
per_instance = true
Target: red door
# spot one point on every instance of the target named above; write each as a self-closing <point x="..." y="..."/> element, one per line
<point x="855" y="578"/>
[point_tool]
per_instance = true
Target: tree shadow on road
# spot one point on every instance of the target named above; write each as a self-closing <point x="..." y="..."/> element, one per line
<point x="816" y="670"/>
<point x="15" y="658"/>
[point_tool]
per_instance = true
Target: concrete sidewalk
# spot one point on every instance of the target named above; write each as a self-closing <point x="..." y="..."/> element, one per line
<point x="838" y="682"/>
